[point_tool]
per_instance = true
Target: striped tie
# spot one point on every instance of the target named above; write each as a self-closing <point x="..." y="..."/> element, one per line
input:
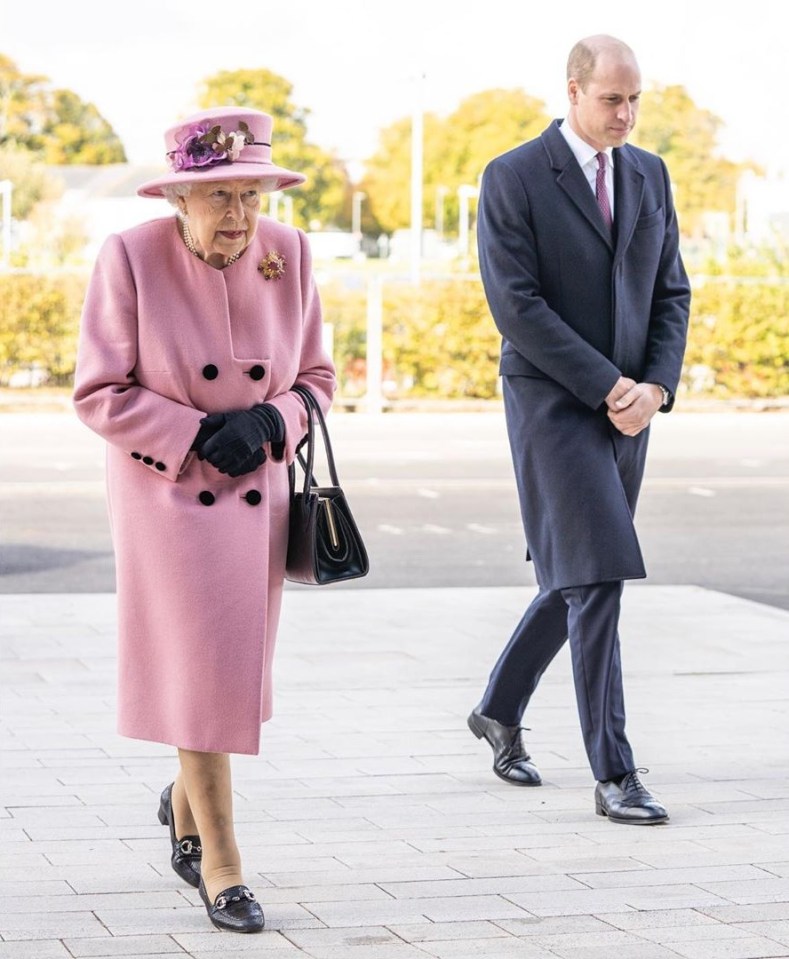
<point x="600" y="191"/>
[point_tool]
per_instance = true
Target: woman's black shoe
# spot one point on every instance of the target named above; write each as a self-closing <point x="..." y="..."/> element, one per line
<point x="187" y="852"/>
<point x="234" y="909"/>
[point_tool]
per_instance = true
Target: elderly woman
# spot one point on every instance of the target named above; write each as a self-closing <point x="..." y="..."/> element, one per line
<point x="195" y="329"/>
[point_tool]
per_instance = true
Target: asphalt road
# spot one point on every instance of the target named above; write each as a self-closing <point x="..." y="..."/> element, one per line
<point x="434" y="495"/>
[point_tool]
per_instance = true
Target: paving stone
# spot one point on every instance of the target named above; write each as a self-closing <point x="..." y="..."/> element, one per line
<point x="777" y="930"/>
<point x="439" y="931"/>
<point x="269" y="943"/>
<point x="504" y="886"/>
<point x="36" y="949"/>
<point x="77" y="903"/>
<point x="342" y="936"/>
<point x="707" y="933"/>
<point x="253" y="951"/>
<point x="138" y="922"/>
<point x="660" y="918"/>
<point x="473" y="948"/>
<point x="336" y="893"/>
<point x="749" y="948"/>
<point x="754" y="890"/>
<point x="760" y="912"/>
<point x="128" y="946"/>
<point x="342" y="875"/>
<point x="672" y="877"/>
<point x="400" y="950"/>
<point x="584" y="924"/>
<point x="51" y="925"/>
<point x="636" y="950"/>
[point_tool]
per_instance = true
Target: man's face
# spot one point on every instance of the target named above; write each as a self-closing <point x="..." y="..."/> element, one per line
<point x="605" y="112"/>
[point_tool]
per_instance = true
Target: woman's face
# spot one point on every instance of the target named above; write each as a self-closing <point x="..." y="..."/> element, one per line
<point x="223" y="217"/>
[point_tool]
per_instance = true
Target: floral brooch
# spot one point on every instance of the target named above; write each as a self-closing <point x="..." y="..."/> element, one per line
<point x="202" y="145"/>
<point x="272" y="266"/>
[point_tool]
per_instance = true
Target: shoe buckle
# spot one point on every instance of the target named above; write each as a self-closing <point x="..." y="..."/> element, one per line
<point x="222" y="900"/>
<point x="187" y="847"/>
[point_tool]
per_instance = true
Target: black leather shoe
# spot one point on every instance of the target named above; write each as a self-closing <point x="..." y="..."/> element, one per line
<point x="234" y="909"/>
<point x="627" y="801"/>
<point x="511" y="760"/>
<point x="187" y="852"/>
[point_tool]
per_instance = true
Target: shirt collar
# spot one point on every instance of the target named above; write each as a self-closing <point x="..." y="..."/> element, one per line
<point x="582" y="151"/>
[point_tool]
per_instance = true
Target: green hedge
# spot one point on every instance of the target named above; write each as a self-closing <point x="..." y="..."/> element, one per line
<point x="39" y="321"/>
<point x="439" y="339"/>
<point x="739" y="338"/>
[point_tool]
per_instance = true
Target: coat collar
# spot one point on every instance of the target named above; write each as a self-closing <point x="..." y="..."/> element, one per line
<point x="628" y="184"/>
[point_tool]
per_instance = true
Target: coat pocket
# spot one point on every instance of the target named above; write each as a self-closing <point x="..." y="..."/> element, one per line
<point x="656" y="218"/>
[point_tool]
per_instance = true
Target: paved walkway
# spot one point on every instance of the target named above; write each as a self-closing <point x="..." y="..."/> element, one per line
<point x="371" y="825"/>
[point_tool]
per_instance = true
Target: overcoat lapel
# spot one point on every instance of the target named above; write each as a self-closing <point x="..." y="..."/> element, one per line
<point x="570" y="178"/>
<point x="628" y="196"/>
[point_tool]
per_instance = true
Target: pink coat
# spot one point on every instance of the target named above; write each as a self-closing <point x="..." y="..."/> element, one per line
<point x="166" y="339"/>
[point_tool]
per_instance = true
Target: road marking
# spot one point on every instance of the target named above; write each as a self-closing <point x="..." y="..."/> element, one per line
<point x="394" y="530"/>
<point x="433" y="528"/>
<point x="479" y="528"/>
<point x="428" y="493"/>
<point x="701" y="491"/>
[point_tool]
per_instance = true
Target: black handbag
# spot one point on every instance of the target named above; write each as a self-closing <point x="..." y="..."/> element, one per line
<point x="324" y="543"/>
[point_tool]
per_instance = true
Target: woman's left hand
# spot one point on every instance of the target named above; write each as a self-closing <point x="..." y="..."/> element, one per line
<point x="209" y="425"/>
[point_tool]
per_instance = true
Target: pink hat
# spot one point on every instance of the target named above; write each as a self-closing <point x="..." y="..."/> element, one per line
<point x="224" y="143"/>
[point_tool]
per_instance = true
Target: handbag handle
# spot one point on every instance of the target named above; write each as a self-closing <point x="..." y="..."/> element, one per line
<point x="313" y="408"/>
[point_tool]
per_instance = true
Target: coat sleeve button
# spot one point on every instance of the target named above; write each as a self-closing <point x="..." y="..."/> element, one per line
<point x="160" y="466"/>
<point x="253" y="497"/>
<point x="257" y="372"/>
<point x="210" y="372"/>
<point x="206" y="498"/>
<point x="148" y="460"/>
<point x="136" y="456"/>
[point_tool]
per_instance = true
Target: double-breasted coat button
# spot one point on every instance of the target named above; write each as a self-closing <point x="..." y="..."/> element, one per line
<point x="160" y="466"/>
<point x="148" y="460"/>
<point x="207" y="498"/>
<point x="253" y="497"/>
<point x="210" y="372"/>
<point x="257" y="372"/>
<point x="136" y="455"/>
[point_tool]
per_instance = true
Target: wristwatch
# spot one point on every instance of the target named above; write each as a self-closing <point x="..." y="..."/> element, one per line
<point x="665" y="394"/>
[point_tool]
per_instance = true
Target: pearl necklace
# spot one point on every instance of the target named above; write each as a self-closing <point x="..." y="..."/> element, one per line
<point x="190" y="245"/>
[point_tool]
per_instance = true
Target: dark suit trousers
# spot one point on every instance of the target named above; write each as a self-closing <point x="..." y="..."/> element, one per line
<point x="589" y="616"/>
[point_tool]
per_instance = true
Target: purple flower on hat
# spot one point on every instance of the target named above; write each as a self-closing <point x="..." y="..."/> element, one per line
<point x="200" y="145"/>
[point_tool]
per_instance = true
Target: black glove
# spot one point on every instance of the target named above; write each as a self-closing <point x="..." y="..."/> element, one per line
<point x="257" y="458"/>
<point x="208" y="426"/>
<point x="236" y="446"/>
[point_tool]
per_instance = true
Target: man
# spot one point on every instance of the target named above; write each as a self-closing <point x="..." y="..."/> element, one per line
<point x="579" y="254"/>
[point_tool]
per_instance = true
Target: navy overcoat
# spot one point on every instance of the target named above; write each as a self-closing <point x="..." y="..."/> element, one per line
<point x="576" y="309"/>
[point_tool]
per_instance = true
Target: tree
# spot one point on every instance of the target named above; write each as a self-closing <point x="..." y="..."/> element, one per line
<point x="22" y="105"/>
<point x="456" y="151"/>
<point x="75" y="132"/>
<point x="56" y="125"/>
<point x="387" y="178"/>
<point x="685" y="136"/>
<point x="325" y="195"/>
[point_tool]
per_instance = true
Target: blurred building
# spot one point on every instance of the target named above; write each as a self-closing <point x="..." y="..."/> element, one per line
<point x="763" y="208"/>
<point x="103" y="199"/>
